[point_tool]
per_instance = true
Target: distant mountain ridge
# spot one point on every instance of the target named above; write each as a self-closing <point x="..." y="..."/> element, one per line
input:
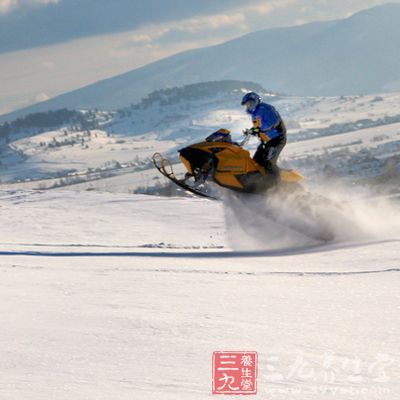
<point x="357" y="55"/>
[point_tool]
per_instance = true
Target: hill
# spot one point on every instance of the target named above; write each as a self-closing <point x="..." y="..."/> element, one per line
<point x="354" y="138"/>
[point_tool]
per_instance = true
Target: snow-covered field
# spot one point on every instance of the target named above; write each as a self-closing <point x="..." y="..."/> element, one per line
<point x="127" y="296"/>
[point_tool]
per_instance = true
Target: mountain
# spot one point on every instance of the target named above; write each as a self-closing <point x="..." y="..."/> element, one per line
<point x="359" y="54"/>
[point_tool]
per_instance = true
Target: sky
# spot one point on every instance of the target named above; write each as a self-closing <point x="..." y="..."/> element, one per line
<point x="49" y="47"/>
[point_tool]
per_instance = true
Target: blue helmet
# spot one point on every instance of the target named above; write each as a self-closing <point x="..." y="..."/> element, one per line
<point x="251" y="100"/>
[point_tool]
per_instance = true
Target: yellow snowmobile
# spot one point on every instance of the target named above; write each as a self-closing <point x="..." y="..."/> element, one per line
<point x="230" y="166"/>
<point x="226" y="162"/>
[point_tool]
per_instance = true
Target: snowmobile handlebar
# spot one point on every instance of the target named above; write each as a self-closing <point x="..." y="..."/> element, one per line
<point x="245" y="139"/>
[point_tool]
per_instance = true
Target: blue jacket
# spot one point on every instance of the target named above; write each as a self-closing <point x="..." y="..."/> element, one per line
<point x="267" y="119"/>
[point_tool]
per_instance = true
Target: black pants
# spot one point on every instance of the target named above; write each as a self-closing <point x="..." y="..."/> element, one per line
<point x="267" y="154"/>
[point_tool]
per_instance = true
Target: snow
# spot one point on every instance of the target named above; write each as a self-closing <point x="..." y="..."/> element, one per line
<point x="57" y="153"/>
<point x="106" y="295"/>
<point x="352" y="141"/>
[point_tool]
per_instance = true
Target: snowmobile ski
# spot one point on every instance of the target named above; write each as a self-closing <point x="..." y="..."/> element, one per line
<point x="164" y="165"/>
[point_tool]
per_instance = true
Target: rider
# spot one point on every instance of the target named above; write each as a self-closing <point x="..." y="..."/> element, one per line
<point x="269" y="128"/>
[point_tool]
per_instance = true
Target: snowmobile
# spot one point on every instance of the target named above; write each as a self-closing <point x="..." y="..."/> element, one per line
<point x="226" y="163"/>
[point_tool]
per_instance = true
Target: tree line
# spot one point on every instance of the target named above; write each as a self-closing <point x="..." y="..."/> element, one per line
<point x="49" y="120"/>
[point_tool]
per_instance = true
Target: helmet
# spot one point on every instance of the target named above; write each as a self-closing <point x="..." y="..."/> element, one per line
<point x="251" y="101"/>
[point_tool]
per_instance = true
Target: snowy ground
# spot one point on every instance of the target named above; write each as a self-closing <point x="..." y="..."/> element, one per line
<point x="55" y="153"/>
<point x="376" y="143"/>
<point x="126" y="297"/>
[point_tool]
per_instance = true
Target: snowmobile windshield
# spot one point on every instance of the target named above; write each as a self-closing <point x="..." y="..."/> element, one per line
<point x="222" y="135"/>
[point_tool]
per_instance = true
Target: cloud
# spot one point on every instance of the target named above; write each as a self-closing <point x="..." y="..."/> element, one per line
<point x="166" y="38"/>
<point x="236" y="18"/>
<point x="41" y="97"/>
<point x="7" y="5"/>
<point x="10" y="5"/>
<point x="151" y="33"/>
<point x="48" y="64"/>
<point x="28" y="23"/>
<point x="141" y="38"/>
<point x="213" y="22"/>
<point x="265" y="8"/>
<point x="199" y="27"/>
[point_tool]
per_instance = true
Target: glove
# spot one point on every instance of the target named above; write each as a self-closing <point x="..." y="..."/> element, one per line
<point x="254" y="131"/>
<point x="251" y="131"/>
